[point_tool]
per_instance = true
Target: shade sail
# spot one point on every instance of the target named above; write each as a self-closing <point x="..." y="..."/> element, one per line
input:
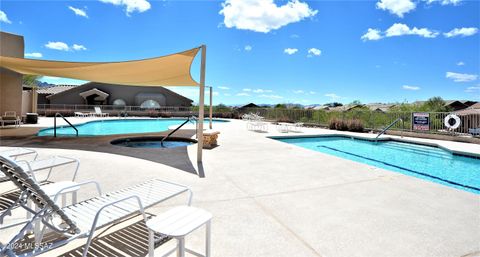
<point x="170" y="70"/>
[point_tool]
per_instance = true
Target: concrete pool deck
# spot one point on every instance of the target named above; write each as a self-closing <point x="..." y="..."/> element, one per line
<point x="269" y="198"/>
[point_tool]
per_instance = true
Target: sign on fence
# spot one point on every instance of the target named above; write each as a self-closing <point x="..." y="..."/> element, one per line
<point x="420" y="121"/>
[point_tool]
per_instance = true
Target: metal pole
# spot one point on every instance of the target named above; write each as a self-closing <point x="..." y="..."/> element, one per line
<point x="201" y="103"/>
<point x="211" y="108"/>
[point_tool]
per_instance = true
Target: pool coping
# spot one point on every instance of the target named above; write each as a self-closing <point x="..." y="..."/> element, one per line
<point x="117" y="119"/>
<point x="385" y="138"/>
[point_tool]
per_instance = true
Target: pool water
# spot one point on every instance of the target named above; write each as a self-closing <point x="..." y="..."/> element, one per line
<point x="116" y="127"/>
<point x="426" y="162"/>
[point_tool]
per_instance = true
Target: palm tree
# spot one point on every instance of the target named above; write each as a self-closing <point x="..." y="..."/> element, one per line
<point x="31" y="80"/>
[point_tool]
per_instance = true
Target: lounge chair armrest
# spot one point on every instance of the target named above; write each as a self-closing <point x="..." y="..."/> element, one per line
<point x="79" y="185"/>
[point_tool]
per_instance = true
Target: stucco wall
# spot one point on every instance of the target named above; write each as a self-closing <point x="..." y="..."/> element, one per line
<point x="10" y="82"/>
<point x="26" y="101"/>
<point x="126" y="93"/>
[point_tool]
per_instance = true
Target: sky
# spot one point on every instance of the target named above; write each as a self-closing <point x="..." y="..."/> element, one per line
<point x="266" y="51"/>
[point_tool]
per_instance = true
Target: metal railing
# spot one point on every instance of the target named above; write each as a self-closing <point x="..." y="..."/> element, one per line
<point x="388" y="127"/>
<point x="55" y="124"/>
<point x="371" y="120"/>
<point x="177" y="128"/>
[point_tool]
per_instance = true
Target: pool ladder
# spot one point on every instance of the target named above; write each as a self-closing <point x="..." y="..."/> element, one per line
<point x="177" y="128"/>
<point x="386" y="128"/>
<point x="55" y="124"/>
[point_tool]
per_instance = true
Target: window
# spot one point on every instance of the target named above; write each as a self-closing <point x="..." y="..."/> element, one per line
<point x="119" y="102"/>
<point x="150" y="104"/>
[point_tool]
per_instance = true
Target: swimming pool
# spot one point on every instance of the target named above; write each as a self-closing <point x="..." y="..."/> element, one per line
<point x="426" y="162"/>
<point x="116" y="127"/>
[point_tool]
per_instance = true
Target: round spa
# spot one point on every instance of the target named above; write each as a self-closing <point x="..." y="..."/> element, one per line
<point x="153" y="142"/>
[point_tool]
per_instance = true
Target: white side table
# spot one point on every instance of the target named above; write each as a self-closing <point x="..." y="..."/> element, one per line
<point x="178" y="223"/>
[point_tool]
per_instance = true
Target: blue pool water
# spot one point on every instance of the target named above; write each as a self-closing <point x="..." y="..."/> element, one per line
<point x="115" y="127"/>
<point x="426" y="162"/>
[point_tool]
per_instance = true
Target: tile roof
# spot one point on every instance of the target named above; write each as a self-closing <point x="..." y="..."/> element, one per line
<point x="54" y="89"/>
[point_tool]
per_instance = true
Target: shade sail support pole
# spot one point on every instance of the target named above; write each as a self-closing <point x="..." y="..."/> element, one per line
<point x="201" y="103"/>
<point x="211" y="108"/>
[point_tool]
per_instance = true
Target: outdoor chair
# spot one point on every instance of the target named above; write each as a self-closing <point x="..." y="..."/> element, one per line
<point x="99" y="113"/>
<point x="17" y="152"/>
<point x="81" y="114"/>
<point x="82" y="219"/>
<point x="474" y="131"/>
<point x="44" y="164"/>
<point x="9" y="118"/>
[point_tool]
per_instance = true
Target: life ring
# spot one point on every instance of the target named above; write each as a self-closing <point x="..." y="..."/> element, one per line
<point x="452" y="121"/>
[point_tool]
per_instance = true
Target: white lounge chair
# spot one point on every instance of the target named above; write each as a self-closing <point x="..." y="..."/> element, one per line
<point x="81" y="114"/>
<point x="99" y="113"/>
<point x="44" y="164"/>
<point x="17" y="152"/>
<point x="80" y="220"/>
<point x="474" y="131"/>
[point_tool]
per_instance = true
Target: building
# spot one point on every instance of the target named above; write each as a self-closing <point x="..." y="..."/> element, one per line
<point x="94" y="93"/>
<point x="11" y="95"/>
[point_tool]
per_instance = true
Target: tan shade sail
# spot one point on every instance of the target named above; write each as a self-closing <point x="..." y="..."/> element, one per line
<point x="170" y="70"/>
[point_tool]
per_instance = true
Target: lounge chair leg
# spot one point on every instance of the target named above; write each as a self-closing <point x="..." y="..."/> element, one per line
<point x="151" y="243"/>
<point x="181" y="247"/>
<point x="207" y="239"/>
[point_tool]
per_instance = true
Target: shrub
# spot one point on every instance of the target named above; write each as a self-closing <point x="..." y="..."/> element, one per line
<point x="341" y="125"/>
<point x="355" y="125"/>
<point x="332" y="124"/>
<point x="285" y="119"/>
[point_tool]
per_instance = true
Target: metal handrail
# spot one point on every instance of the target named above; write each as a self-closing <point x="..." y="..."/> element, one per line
<point x="55" y="124"/>
<point x="386" y="128"/>
<point x="177" y="128"/>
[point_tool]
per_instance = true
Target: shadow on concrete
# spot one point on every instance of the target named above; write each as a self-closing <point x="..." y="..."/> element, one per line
<point x="174" y="157"/>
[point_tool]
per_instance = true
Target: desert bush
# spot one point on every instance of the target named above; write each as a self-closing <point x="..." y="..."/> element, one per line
<point x="355" y="125"/>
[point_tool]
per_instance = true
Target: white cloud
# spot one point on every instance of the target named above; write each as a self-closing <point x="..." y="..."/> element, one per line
<point x="271" y="96"/>
<point x="248" y="48"/>
<point x="130" y="5"/>
<point x="4" y="18"/>
<point x="223" y="88"/>
<point x="263" y="15"/>
<point x="298" y="91"/>
<point x="372" y="34"/>
<point x="461" y="77"/>
<point x="242" y="94"/>
<point x="462" y="32"/>
<point x="258" y="91"/>
<point x="247" y="90"/>
<point x="472" y="89"/>
<point x="333" y="96"/>
<point x="78" y="11"/>
<point x="227" y="94"/>
<point x="444" y="2"/>
<point x="214" y="93"/>
<point x="34" y="55"/>
<point x="397" y="7"/>
<point x="290" y="51"/>
<point x="57" y="46"/>
<point x="407" y="87"/>
<point x="399" y="29"/>
<point x="61" y="46"/>
<point x="78" y="47"/>
<point x="460" y="63"/>
<point x="312" y="92"/>
<point x="314" y="52"/>
<point x="294" y="36"/>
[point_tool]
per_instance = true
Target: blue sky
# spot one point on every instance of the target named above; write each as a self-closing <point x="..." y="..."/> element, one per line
<point x="267" y="51"/>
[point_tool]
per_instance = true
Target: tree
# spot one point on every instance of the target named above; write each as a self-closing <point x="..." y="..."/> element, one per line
<point x="356" y="102"/>
<point x="334" y="104"/>
<point x="280" y="106"/>
<point x="435" y="104"/>
<point x="30" y="80"/>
